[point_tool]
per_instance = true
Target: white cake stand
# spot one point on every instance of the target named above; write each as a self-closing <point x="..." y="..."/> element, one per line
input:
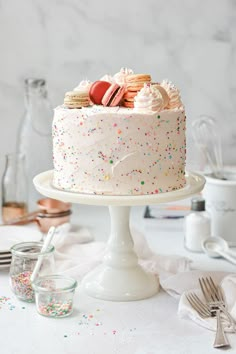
<point x="119" y="277"/>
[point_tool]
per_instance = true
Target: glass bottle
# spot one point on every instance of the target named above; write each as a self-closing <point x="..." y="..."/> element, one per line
<point x="24" y="258"/>
<point x="34" y="138"/>
<point x="14" y="188"/>
<point x="197" y="225"/>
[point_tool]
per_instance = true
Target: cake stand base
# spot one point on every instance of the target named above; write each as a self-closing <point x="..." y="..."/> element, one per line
<point x="130" y="285"/>
<point x="119" y="277"/>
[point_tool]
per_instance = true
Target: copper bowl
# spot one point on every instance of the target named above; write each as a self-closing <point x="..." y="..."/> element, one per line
<point x="52" y="206"/>
<point x="53" y="213"/>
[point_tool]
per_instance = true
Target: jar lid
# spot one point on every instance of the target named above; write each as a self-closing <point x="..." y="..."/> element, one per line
<point x="198" y="204"/>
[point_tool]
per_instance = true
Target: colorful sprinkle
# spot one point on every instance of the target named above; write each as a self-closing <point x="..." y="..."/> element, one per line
<point x="21" y="286"/>
<point x="55" y="308"/>
<point x="159" y="144"/>
<point x="4" y="300"/>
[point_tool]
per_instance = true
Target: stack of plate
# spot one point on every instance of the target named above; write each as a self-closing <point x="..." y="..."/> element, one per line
<point x="9" y="236"/>
<point x="5" y="259"/>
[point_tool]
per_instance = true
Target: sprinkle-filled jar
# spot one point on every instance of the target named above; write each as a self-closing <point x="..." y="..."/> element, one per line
<point x="54" y="295"/>
<point x="24" y="258"/>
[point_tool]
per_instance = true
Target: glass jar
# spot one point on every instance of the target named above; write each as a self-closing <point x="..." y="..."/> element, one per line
<point x="54" y="295"/>
<point x="14" y="188"/>
<point x="24" y="258"/>
<point x="34" y="139"/>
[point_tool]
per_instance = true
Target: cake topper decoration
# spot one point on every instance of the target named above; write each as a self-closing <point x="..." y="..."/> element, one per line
<point x="126" y="91"/>
<point x="148" y="99"/>
<point x="120" y="77"/>
<point x="84" y="85"/>
<point x="107" y="78"/>
<point x="173" y="93"/>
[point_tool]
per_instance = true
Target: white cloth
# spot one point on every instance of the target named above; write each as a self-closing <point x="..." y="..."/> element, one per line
<point x="228" y="285"/>
<point x="76" y="254"/>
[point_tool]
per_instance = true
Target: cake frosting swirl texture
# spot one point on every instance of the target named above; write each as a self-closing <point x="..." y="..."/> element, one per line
<point x="121" y="150"/>
<point x="118" y="152"/>
<point x="148" y="99"/>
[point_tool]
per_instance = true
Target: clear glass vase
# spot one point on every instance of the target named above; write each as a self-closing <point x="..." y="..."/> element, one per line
<point x="14" y="188"/>
<point x="34" y="139"/>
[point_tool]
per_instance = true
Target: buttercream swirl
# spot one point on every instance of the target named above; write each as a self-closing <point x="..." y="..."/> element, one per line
<point x="148" y="99"/>
<point x="173" y="93"/>
<point x="120" y="77"/>
<point x="83" y="86"/>
<point x="107" y="78"/>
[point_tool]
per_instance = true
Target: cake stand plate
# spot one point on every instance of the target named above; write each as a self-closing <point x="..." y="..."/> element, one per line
<point x="119" y="277"/>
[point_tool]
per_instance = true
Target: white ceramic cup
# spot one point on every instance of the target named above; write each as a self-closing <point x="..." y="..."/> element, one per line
<point x="220" y="196"/>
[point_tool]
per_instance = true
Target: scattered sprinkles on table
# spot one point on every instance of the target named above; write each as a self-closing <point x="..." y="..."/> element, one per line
<point x="7" y="303"/>
<point x="91" y="324"/>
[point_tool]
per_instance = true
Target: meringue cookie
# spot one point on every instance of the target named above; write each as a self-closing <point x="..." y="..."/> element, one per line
<point x="107" y="78"/>
<point x="120" y="77"/>
<point x="148" y="99"/>
<point x="173" y="93"/>
<point x="163" y="92"/>
<point x="83" y="86"/>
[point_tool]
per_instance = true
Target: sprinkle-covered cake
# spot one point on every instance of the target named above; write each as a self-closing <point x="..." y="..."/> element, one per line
<point x="120" y="135"/>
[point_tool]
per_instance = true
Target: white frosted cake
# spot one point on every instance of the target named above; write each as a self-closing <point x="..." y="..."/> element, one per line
<point x="118" y="150"/>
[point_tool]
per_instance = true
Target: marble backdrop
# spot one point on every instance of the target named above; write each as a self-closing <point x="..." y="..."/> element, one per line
<point x="191" y="42"/>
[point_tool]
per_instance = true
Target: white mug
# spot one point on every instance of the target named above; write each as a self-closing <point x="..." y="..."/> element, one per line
<point x="220" y="196"/>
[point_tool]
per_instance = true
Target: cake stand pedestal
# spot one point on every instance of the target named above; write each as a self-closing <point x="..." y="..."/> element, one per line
<point x="119" y="277"/>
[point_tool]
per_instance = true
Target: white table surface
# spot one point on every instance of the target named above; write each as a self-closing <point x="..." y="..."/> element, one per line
<point x="149" y="326"/>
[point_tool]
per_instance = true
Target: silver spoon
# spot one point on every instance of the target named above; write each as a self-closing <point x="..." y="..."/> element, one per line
<point x="218" y="247"/>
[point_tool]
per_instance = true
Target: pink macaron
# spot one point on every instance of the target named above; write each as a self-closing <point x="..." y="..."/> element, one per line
<point x="113" y="95"/>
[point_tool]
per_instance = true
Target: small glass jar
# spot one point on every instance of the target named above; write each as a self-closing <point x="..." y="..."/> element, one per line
<point x="24" y="258"/>
<point x="54" y="295"/>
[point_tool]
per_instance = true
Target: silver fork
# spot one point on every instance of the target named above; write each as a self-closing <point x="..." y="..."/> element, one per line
<point x="224" y="307"/>
<point x="205" y="312"/>
<point x="214" y="297"/>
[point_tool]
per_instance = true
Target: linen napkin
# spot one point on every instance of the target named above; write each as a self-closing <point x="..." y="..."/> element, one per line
<point x="76" y="253"/>
<point x="228" y="285"/>
<point x="76" y="256"/>
<point x="180" y="284"/>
